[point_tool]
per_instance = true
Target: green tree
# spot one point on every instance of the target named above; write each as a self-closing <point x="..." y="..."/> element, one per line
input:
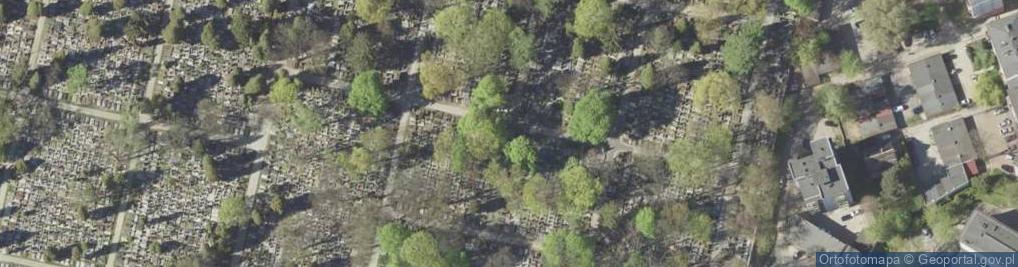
<point x="758" y="192"/>
<point x="536" y="194"/>
<point x="578" y="50"/>
<point x="390" y="239"/>
<point x="208" y="36"/>
<point x="488" y="94"/>
<point x="802" y="7"/>
<point x="358" y="161"/>
<point x="809" y="50"/>
<point x="268" y="6"/>
<point x="594" y="19"/>
<point x="886" y="23"/>
<point x="171" y="33"/>
<point x="421" y="250"/>
<point x="662" y="37"/>
<point x="521" y="49"/>
<point x="359" y="55"/>
<point x="483" y="48"/>
<point x="93" y="30"/>
<point x="373" y="11"/>
<point x="483" y="133"/>
<point x="591" y="118"/>
<point x="545" y="7"/>
<point x="717" y="91"/>
<point x="136" y="28"/>
<point x="836" y="102"/>
<point x="241" y="29"/>
<point x="304" y="118"/>
<point x="34" y="9"/>
<point x="209" y="165"/>
<point x="989" y="89"/>
<point x="562" y="248"/>
<point x="608" y="214"/>
<point x="233" y="211"/>
<point x="276" y="204"/>
<point x="693" y="158"/>
<point x="284" y="91"/>
<point x="700" y="226"/>
<point x="450" y="148"/>
<point x="771" y="111"/>
<point x="221" y="4"/>
<point x="646" y="222"/>
<point x="3" y="14"/>
<point x="119" y="4"/>
<point x="85" y="9"/>
<point x="454" y="23"/>
<point x="520" y="151"/>
<point x="439" y="76"/>
<point x="635" y="260"/>
<point x="377" y="139"/>
<point x="647" y="76"/>
<point x="742" y="48"/>
<point x="255" y="85"/>
<point x="77" y="78"/>
<point x="366" y="94"/>
<point x="580" y="188"/>
<point x="851" y="65"/>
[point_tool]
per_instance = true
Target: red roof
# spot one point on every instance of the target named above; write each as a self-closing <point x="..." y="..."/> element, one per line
<point x="972" y="168"/>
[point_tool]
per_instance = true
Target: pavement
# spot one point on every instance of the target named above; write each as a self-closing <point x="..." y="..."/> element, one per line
<point x="923" y="128"/>
<point x="37" y="42"/>
<point x="118" y="228"/>
<point x="22" y="261"/>
<point x="448" y="108"/>
<point x="261" y="145"/>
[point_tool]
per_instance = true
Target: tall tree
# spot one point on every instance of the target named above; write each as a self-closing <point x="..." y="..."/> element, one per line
<point x="595" y="19"/>
<point x="580" y="187"/>
<point x="93" y="30"/>
<point x="390" y="239"/>
<point x="742" y="48"/>
<point x="836" y="102"/>
<point x="366" y="94"/>
<point x="693" y="158"/>
<point x="716" y="91"/>
<point x="86" y="7"/>
<point x="488" y="94"/>
<point x="241" y="29"/>
<point x="802" y="7"/>
<point x="483" y="134"/>
<point x="77" y="78"/>
<point x="34" y="9"/>
<point x="592" y="117"/>
<point x="562" y="248"/>
<point x="373" y="11"/>
<point x="886" y="23"/>
<point x="645" y="222"/>
<point x="439" y="76"/>
<point x="421" y="250"/>
<point x="770" y="111"/>
<point x="233" y="211"/>
<point x="208" y="36"/>
<point x="989" y="89"/>
<point x="359" y="54"/>
<point x="521" y="49"/>
<point x="520" y="151"/>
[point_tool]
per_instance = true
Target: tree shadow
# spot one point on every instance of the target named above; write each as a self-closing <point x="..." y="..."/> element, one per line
<point x="169" y="246"/>
<point x="105" y="250"/>
<point x="643" y="111"/>
<point x="134" y="71"/>
<point x="90" y="57"/>
<point x="114" y="28"/>
<point x="19" y="148"/>
<point x="165" y="218"/>
<point x="185" y="102"/>
<point x="238" y="165"/>
<point x="61" y="8"/>
<point x="13" y="237"/>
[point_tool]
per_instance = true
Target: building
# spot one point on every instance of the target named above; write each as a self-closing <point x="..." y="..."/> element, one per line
<point x="799" y="244"/>
<point x="820" y="178"/>
<point x="1003" y="35"/>
<point x="989" y="230"/>
<point x="881" y="122"/>
<point x="984" y="8"/>
<point x="957" y="158"/>
<point x="933" y="83"/>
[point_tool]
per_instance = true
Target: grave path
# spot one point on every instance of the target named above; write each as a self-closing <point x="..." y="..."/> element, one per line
<point x="261" y="145"/>
<point x="40" y="35"/>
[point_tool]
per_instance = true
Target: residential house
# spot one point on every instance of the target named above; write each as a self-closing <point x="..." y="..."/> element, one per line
<point x="988" y="229"/>
<point x="820" y="178"/>
<point x="932" y="82"/>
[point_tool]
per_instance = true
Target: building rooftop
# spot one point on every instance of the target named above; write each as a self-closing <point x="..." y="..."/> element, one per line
<point x="881" y="122"/>
<point x="956" y="149"/>
<point x="820" y="178"/>
<point x="982" y="8"/>
<point x="1003" y="34"/>
<point x="987" y="231"/>
<point x="932" y="82"/>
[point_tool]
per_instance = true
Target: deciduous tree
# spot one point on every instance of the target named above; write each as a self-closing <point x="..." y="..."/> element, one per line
<point x="886" y="23"/>
<point x="562" y="248"/>
<point x="366" y="94"/>
<point x="592" y="117"/>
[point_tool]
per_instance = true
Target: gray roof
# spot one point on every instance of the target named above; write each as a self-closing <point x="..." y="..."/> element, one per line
<point x="933" y="84"/>
<point x="1003" y="33"/>
<point x="980" y="8"/>
<point x="881" y="122"/>
<point x="985" y="233"/>
<point x="820" y="178"/>
<point x="954" y="144"/>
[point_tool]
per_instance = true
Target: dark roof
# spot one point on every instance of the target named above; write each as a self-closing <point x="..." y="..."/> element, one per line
<point x="820" y="178"/>
<point x="1003" y="34"/>
<point x="880" y="123"/>
<point x="984" y="232"/>
<point x="955" y="147"/>
<point x="981" y="8"/>
<point x="933" y="84"/>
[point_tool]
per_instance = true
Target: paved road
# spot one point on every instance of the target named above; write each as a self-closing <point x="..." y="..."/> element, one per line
<point x="261" y="145"/>
<point x="448" y="108"/>
<point x="40" y="34"/>
<point x="22" y="261"/>
<point x="924" y="127"/>
<point x="118" y="228"/>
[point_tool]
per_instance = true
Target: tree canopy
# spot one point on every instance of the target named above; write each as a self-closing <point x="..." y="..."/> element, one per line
<point x="989" y="89"/>
<point x="802" y="7"/>
<point x="439" y="75"/>
<point x="421" y="250"/>
<point x="489" y="93"/>
<point x="717" y="91"/>
<point x="390" y="239"/>
<point x="581" y="188"/>
<point x="646" y="221"/>
<point x="520" y="151"/>
<point x="886" y="23"/>
<point x="373" y="11"/>
<point x="483" y="134"/>
<point x="771" y="111"/>
<point x="836" y="102"/>
<point x="693" y="158"/>
<point x="208" y="36"/>
<point x="562" y="248"/>
<point x="742" y="48"/>
<point x="595" y="19"/>
<point x="77" y="78"/>
<point x="366" y="94"/>
<point x="592" y="117"/>
<point x="233" y="211"/>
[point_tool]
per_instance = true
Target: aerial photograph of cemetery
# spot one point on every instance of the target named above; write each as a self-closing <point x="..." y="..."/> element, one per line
<point x="555" y="133"/>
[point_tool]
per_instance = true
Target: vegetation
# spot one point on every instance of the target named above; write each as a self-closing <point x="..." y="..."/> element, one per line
<point x="895" y="209"/>
<point x="989" y="89"/>
<point x="887" y="23"/>
<point x="240" y="27"/>
<point x="717" y="92"/>
<point x="483" y="134"/>
<point x="594" y="19"/>
<point x="209" y="37"/>
<point x="647" y="76"/>
<point x="520" y="151"/>
<point x="802" y="7"/>
<point x="233" y="211"/>
<point x="646" y="222"/>
<point x="742" y="48"/>
<point x="421" y="250"/>
<point x="390" y="240"/>
<point x="488" y="94"/>
<point x="810" y="50"/>
<point x="693" y="158"/>
<point x="359" y="55"/>
<point x="591" y="118"/>
<point x="774" y="115"/>
<point x="373" y="11"/>
<point x="77" y="79"/>
<point x="851" y="65"/>
<point x="579" y="187"/>
<point x="566" y="248"/>
<point x="982" y="55"/>
<point x="366" y="94"/>
<point x="521" y="49"/>
<point x="439" y="76"/>
<point x="836" y="102"/>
